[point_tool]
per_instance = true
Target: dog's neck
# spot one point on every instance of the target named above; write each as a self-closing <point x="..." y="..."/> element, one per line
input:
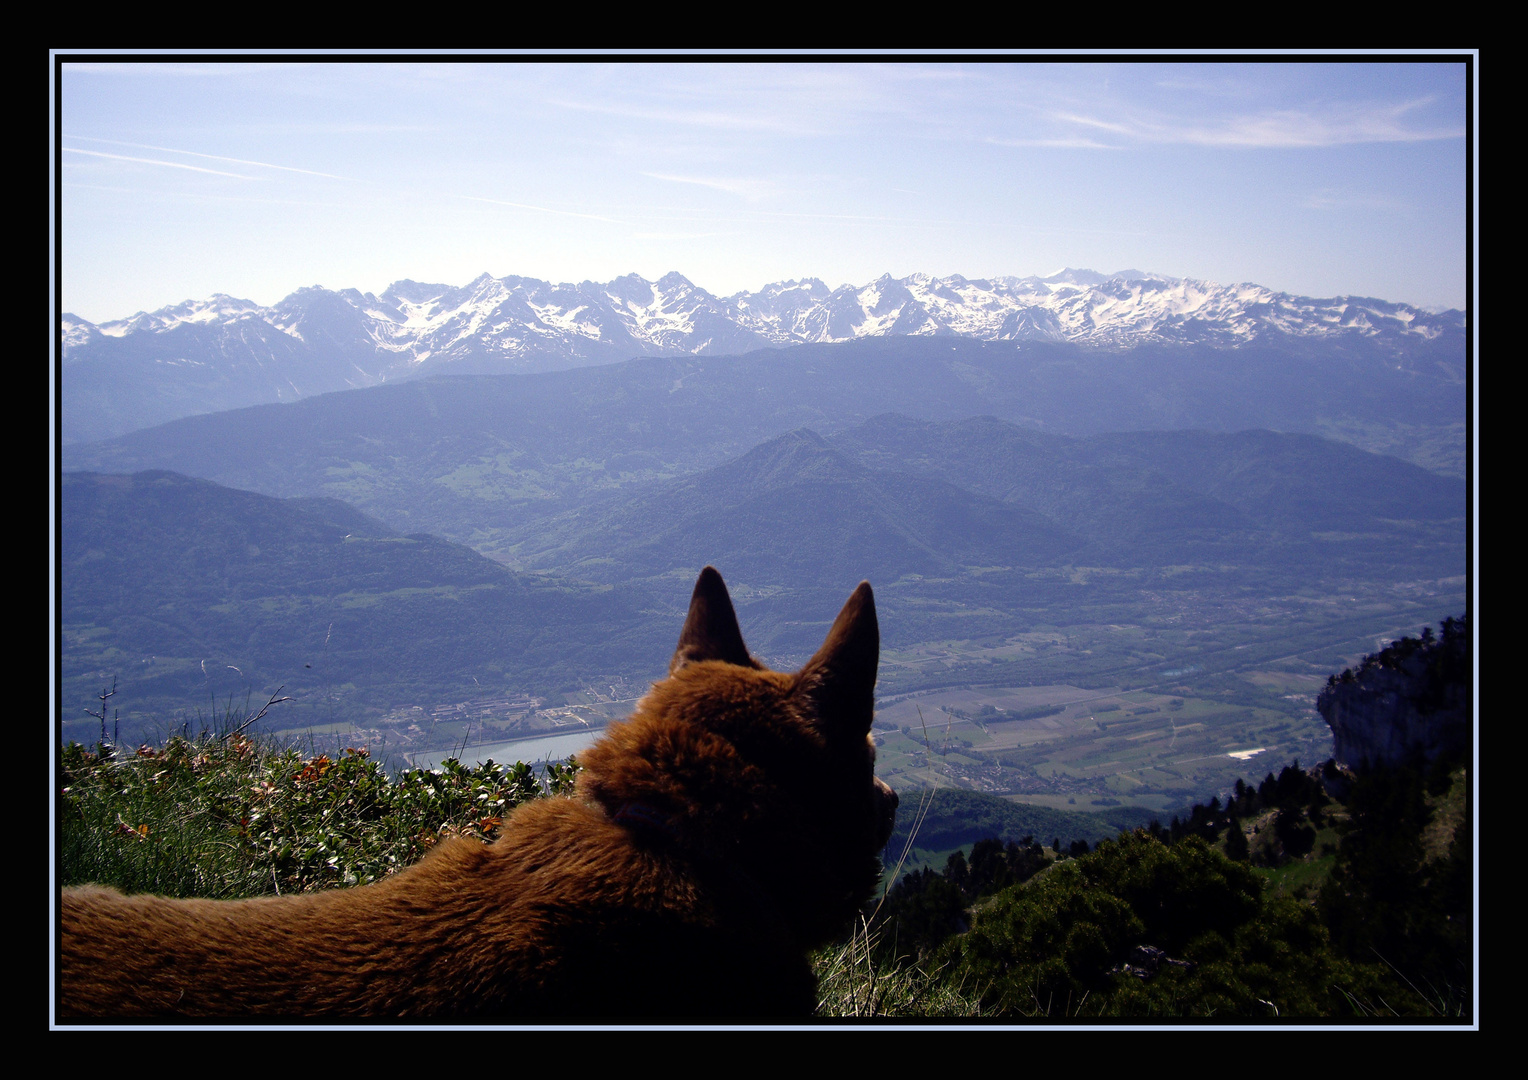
<point x="722" y="868"/>
<point x="640" y="816"/>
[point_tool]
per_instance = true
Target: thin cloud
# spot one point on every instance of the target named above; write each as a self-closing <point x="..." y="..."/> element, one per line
<point x="1073" y="143"/>
<point x="289" y="168"/>
<point x="155" y="161"/>
<point x="1276" y="129"/>
<point x="1094" y="122"/>
<point x="1335" y="127"/>
<point x="220" y="199"/>
<point x="210" y="157"/>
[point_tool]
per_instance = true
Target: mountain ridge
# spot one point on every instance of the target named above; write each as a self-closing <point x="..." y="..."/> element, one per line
<point x="460" y="454"/>
<point x="225" y="352"/>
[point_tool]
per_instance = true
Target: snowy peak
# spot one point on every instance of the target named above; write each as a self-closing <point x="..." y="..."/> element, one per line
<point x="77" y="331"/>
<point x="218" y="308"/>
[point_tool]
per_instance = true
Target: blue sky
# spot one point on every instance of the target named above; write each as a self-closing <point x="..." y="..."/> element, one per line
<point x="255" y="178"/>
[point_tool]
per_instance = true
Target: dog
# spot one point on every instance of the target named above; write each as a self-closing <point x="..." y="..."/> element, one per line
<point x="729" y="826"/>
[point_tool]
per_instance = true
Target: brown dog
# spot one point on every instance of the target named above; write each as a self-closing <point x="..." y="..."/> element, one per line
<point x="729" y="826"/>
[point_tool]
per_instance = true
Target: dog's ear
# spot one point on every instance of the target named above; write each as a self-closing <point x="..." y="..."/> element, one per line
<point x="710" y="630"/>
<point x="840" y="679"/>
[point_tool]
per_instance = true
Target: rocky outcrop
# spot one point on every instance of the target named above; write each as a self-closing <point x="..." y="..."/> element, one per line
<point x="1413" y="698"/>
<point x="1146" y="960"/>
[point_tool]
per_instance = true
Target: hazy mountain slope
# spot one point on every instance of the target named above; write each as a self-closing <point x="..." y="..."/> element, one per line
<point x="1144" y="498"/>
<point x="188" y="591"/>
<point x="1109" y="503"/>
<point x="794" y="511"/>
<point x="1269" y="476"/>
<point x="972" y="531"/>
<point x="910" y="505"/>
<point x="472" y="457"/>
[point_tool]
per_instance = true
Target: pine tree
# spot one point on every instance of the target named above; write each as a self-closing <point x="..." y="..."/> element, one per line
<point x="1237" y="847"/>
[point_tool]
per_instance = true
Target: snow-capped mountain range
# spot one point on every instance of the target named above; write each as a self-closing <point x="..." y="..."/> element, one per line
<point x="515" y="316"/>
<point x="233" y="352"/>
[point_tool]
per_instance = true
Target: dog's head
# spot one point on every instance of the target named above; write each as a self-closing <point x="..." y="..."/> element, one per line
<point x="770" y="771"/>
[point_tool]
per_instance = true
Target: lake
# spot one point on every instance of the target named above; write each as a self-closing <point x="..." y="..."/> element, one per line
<point x="532" y="751"/>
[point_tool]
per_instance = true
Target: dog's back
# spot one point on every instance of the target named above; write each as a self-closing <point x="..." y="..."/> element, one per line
<point x="729" y="826"/>
<point x="566" y="915"/>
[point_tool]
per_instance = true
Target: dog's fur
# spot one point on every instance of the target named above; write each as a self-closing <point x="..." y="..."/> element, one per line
<point x="729" y="826"/>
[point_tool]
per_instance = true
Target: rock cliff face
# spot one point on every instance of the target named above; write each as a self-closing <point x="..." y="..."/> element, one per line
<point x="1414" y="697"/>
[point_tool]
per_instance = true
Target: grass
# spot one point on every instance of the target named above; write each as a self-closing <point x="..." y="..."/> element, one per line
<point x="223" y="815"/>
<point x="1299" y="878"/>
<point x="852" y="984"/>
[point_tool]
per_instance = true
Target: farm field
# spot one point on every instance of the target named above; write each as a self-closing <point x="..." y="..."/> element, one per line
<point x="1068" y="747"/>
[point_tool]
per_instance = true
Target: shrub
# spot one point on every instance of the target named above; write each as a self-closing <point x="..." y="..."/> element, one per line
<point x="228" y="816"/>
<point x="1139" y="928"/>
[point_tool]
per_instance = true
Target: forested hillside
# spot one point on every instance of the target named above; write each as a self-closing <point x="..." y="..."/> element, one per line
<point x="1319" y="893"/>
